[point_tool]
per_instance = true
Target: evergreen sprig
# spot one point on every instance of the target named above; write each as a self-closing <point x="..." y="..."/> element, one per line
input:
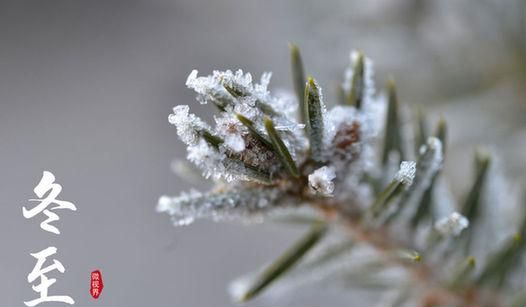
<point x="266" y="158"/>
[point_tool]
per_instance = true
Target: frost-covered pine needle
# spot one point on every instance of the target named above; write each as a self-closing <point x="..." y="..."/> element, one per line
<point x="407" y="172"/>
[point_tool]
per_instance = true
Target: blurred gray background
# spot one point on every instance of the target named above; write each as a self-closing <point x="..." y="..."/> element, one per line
<point x="86" y="88"/>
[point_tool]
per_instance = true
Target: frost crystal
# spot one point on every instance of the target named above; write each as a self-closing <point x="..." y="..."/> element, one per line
<point x="209" y="160"/>
<point x="429" y="163"/>
<point x="224" y="87"/>
<point x="368" y="75"/>
<point x="235" y="142"/>
<point x="407" y="172"/>
<point x="239" y="287"/>
<point x="373" y="108"/>
<point x="187" y="124"/>
<point x="321" y="181"/>
<point x="237" y="203"/>
<point x="169" y="205"/>
<point x="452" y="224"/>
<point x="433" y="144"/>
<point x="337" y="119"/>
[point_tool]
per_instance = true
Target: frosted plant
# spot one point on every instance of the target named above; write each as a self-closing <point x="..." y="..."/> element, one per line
<point x="381" y="216"/>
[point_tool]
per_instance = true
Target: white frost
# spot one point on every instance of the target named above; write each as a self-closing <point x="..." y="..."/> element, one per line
<point x="321" y="181"/>
<point x="369" y="87"/>
<point x="337" y="117"/>
<point x="407" y="172"/>
<point x="170" y="206"/>
<point x="239" y="287"/>
<point x="187" y="124"/>
<point x="235" y="142"/>
<point x="249" y="205"/>
<point x="452" y="224"/>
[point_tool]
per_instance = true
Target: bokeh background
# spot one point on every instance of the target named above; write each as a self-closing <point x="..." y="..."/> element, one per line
<point x="86" y="88"/>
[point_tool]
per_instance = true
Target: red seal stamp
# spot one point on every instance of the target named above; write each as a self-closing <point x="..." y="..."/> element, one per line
<point x="96" y="284"/>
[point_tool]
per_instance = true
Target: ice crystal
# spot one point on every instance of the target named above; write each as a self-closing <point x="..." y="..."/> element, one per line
<point x="321" y="181"/>
<point x="406" y="174"/>
<point x="338" y="119"/>
<point x="452" y="224"/>
<point x="235" y="204"/>
<point x="429" y="163"/>
<point x="373" y="106"/>
<point x="212" y="88"/>
<point x="369" y="88"/>
<point x="235" y="142"/>
<point x="240" y="286"/>
<point x="188" y="125"/>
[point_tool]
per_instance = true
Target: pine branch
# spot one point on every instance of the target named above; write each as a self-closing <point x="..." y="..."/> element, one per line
<point x="262" y="161"/>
